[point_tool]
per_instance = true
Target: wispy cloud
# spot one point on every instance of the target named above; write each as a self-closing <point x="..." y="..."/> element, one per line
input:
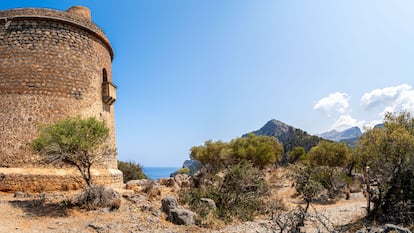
<point x="337" y="101"/>
<point x="392" y="99"/>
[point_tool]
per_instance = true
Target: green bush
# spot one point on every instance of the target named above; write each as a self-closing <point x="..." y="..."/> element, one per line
<point x="241" y="192"/>
<point x="239" y="195"/>
<point x="258" y="150"/>
<point x="93" y="198"/>
<point x="387" y="159"/>
<point x="131" y="171"/>
<point x="297" y="154"/>
<point x="76" y="142"/>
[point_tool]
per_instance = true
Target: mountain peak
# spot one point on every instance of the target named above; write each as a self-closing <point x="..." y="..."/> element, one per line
<point x="273" y="128"/>
<point x="289" y="136"/>
<point x="334" y="135"/>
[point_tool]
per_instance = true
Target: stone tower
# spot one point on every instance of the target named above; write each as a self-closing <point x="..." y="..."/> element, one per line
<point x="53" y="65"/>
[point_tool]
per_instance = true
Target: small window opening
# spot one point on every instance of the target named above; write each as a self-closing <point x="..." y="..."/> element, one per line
<point x="104" y="76"/>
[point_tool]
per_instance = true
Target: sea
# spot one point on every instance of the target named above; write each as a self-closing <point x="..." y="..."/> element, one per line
<point x="156" y="173"/>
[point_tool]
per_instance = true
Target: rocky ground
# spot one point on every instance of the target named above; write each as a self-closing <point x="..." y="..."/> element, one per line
<point x="140" y="212"/>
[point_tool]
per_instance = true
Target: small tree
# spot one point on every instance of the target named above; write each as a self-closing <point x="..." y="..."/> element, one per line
<point x="74" y="141"/>
<point x="387" y="154"/>
<point x="259" y="150"/>
<point x="308" y="186"/>
<point x="298" y="153"/>
<point x="329" y="161"/>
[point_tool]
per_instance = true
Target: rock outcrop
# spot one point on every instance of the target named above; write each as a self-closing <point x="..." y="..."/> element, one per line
<point x="175" y="214"/>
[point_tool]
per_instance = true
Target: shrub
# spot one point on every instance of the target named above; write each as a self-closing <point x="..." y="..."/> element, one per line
<point x="241" y="192"/>
<point x="298" y="153"/>
<point x="93" y="198"/>
<point x="238" y="195"/>
<point x="258" y="150"/>
<point x="74" y="141"/>
<point x="131" y="171"/>
<point x="386" y="154"/>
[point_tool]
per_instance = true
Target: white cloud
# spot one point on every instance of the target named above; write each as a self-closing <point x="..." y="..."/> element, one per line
<point x="336" y="101"/>
<point x="393" y="99"/>
<point x="346" y="121"/>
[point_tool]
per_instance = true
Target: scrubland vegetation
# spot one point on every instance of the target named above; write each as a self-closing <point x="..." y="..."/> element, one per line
<point x="236" y="179"/>
<point x="233" y="175"/>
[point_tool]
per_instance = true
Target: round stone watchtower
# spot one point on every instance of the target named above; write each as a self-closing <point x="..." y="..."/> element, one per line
<point x="53" y="65"/>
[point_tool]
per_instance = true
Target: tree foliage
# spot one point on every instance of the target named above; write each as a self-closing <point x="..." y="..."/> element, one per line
<point x="131" y="171"/>
<point x="298" y="153"/>
<point x="387" y="156"/>
<point x="259" y="150"/>
<point x="74" y="141"/>
<point x="330" y="154"/>
<point x="326" y="165"/>
<point x="214" y="153"/>
<point x="238" y="194"/>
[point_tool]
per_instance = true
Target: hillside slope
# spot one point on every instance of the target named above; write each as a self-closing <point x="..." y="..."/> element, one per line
<point x="289" y="136"/>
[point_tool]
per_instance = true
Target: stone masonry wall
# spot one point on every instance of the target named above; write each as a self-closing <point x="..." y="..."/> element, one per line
<point x="43" y="180"/>
<point x="51" y="68"/>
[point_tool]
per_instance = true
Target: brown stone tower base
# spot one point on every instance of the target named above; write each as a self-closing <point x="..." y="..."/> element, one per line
<point x="52" y="179"/>
<point x="53" y="65"/>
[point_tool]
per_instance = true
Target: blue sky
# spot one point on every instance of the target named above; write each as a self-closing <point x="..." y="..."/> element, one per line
<point x="188" y="71"/>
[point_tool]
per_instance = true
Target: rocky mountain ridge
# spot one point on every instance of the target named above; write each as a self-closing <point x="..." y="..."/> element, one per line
<point x="288" y="135"/>
<point x="337" y="136"/>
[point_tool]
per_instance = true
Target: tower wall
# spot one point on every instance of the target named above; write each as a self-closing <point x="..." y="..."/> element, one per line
<point x="52" y="66"/>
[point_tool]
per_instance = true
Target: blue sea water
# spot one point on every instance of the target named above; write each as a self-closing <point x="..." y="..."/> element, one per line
<point x="159" y="172"/>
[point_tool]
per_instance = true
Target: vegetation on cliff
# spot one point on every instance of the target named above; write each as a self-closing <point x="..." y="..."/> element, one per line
<point x="131" y="171"/>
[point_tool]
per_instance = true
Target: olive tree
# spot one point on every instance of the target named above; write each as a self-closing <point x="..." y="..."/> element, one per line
<point x="329" y="161"/>
<point x="74" y="141"/>
<point x="259" y="150"/>
<point x="387" y="156"/>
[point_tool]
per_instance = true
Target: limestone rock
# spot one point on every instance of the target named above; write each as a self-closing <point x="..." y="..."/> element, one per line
<point x="182" y="180"/>
<point x="139" y="185"/>
<point x="181" y="217"/>
<point x="175" y="214"/>
<point x="168" y="203"/>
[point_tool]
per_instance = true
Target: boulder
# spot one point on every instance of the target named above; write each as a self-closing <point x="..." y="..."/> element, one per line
<point x="170" y="182"/>
<point x="176" y="215"/>
<point x="182" y="180"/>
<point x="181" y="216"/>
<point x="169" y="203"/>
<point x="139" y="185"/>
